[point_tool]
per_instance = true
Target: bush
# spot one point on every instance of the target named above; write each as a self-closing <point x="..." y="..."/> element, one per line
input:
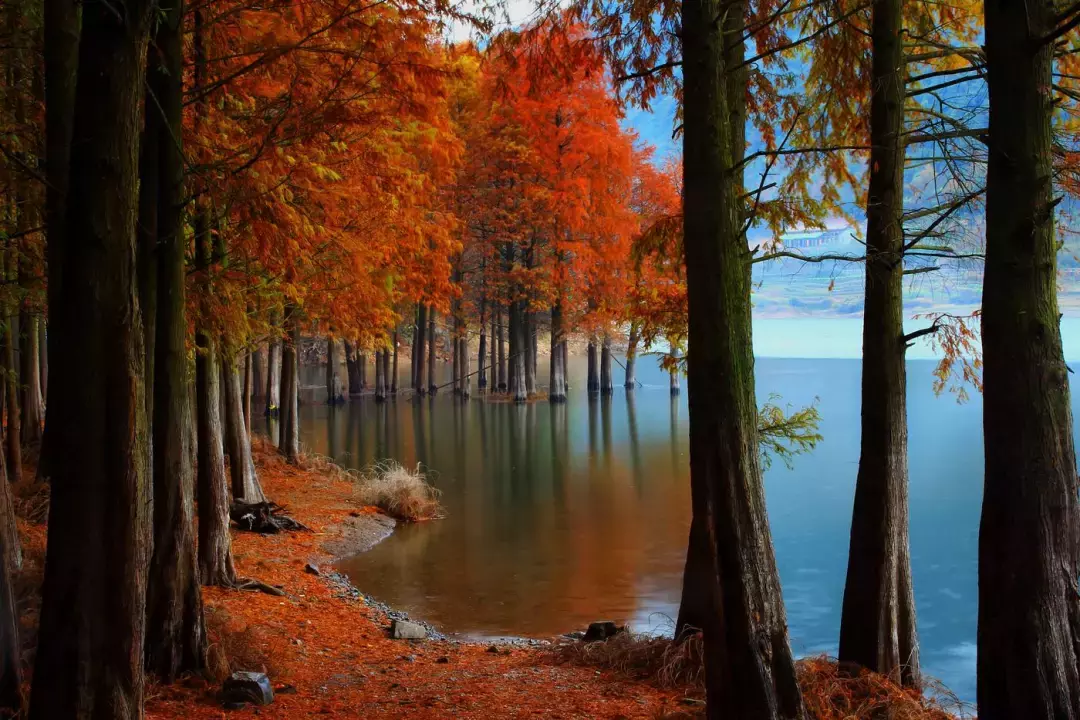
<point x="399" y="492"/>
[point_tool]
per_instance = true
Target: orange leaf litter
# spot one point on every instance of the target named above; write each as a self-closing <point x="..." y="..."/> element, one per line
<point x="336" y="654"/>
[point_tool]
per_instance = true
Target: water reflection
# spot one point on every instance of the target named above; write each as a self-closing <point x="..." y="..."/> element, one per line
<point x="563" y="514"/>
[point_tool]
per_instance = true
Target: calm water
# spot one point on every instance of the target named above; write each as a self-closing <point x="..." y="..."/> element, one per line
<point x="559" y="515"/>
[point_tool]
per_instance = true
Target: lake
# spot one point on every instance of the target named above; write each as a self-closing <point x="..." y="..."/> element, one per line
<point x="560" y="515"/>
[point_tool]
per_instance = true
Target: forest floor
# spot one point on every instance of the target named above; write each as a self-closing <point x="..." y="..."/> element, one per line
<point x="328" y="653"/>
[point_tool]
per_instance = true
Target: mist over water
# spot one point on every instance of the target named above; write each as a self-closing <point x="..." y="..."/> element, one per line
<point x="560" y="515"/>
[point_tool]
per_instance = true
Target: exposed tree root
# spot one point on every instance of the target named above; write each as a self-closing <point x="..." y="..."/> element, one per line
<point x="264" y="517"/>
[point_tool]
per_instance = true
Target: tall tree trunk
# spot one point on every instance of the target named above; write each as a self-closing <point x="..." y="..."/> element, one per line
<point x="380" y="377"/>
<point x="607" y="386"/>
<point x="351" y="369"/>
<point x="215" y="540"/>
<point x="557" y="381"/>
<point x="530" y="352"/>
<point x="466" y="381"/>
<point x="12" y="701"/>
<point x="33" y="411"/>
<point x="481" y="355"/>
<point x="273" y="378"/>
<point x="593" y="383"/>
<point x="499" y="340"/>
<point x="43" y="363"/>
<point x="630" y="380"/>
<point x="517" y="352"/>
<point x="419" y="344"/>
<point x="432" y="388"/>
<point x="258" y="374"/>
<point x="61" y="30"/>
<point x="175" y="631"/>
<point x="13" y="436"/>
<point x="1029" y="537"/>
<point x="394" y="368"/>
<point x="89" y="661"/>
<point x="289" y="425"/>
<point x="361" y="368"/>
<point x="673" y="374"/>
<point x="749" y="668"/>
<point x="147" y="229"/>
<point x="245" y="484"/>
<point x="877" y="627"/>
<point x="248" y="381"/>
<point x="333" y="380"/>
<point x="11" y="556"/>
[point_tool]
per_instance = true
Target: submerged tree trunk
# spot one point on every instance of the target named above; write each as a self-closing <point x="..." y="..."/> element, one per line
<point x="361" y="368"/>
<point x="175" y="631"/>
<point x="273" y="378"/>
<point x="607" y="386"/>
<point x="466" y="380"/>
<point x="244" y="480"/>
<point x="432" y="388"/>
<point x="499" y="340"/>
<point x="89" y="661"/>
<point x="394" y="367"/>
<point x="334" y="392"/>
<point x="630" y="380"/>
<point x="593" y="384"/>
<point x="481" y="355"/>
<point x="419" y="344"/>
<point x="518" y="350"/>
<point x="673" y="374"/>
<point x="557" y="381"/>
<point x="877" y="626"/>
<point x="380" y="375"/>
<point x="749" y="668"/>
<point x="530" y="352"/>
<point x="1029" y="537"/>
<point x="352" y="369"/>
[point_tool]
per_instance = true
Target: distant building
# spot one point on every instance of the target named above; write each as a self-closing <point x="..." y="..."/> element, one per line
<point x="816" y="239"/>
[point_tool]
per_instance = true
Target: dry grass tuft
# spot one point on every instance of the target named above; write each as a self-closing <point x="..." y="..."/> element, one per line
<point x="641" y="657"/>
<point x="829" y="693"/>
<point x="31" y="500"/>
<point x="399" y="492"/>
<point x="236" y="645"/>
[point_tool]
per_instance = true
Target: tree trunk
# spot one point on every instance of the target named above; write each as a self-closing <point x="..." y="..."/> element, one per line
<point x="630" y="380"/>
<point x="43" y="364"/>
<point x="1029" y="537"/>
<point x="33" y="410"/>
<point x="380" y="376"/>
<point x="89" y="661"/>
<point x="11" y="557"/>
<point x="696" y="605"/>
<point x="361" y="368"/>
<point x="557" y="381"/>
<point x="273" y="378"/>
<point x="877" y="626"/>
<point x="244" y="480"/>
<point x="289" y="424"/>
<point x="594" y="370"/>
<point x="13" y="435"/>
<point x="247" y="390"/>
<point x="61" y="32"/>
<point x="394" y="369"/>
<point x="215" y="540"/>
<point x="499" y="340"/>
<point x="419" y="344"/>
<point x="432" y="388"/>
<point x="175" y="631"/>
<point x="530" y="352"/>
<point x="333" y="381"/>
<point x="481" y="355"/>
<point x="258" y="374"/>
<point x="607" y="386"/>
<point x="749" y="669"/>
<point x="673" y="375"/>
<point x="517" y="352"/>
<point x="12" y="701"/>
<point x="466" y="381"/>
<point x="147" y="229"/>
<point x="351" y="369"/>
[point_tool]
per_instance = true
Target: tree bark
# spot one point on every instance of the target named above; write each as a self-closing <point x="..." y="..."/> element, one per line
<point x="334" y="394"/>
<point x="273" y="378"/>
<point x="530" y="352"/>
<point x="13" y="435"/>
<point x="289" y="424"/>
<point x="466" y="381"/>
<point x="419" y="344"/>
<point x="215" y="541"/>
<point x="557" y="381"/>
<point x="502" y="350"/>
<point x="481" y="355"/>
<point x="630" y="380"/>
<point x="1029" y="537"/>
<point x="245" y="483"/>
<point x="147" y="227"/>
<point x="380" y="376"/>
<point x="247" y="390"/>
<point x="12" y="701"/>
<point x="877" y="626"/>
<point x="89" y="662"/>
<point x="593" y="383"/>
<point x="673" y="375"/>
<point x="175" y="631"/>
<point x="432" y="388"/>
<point x="749" y="668"/>
<point x="352" y="369"/>
<point x="258" y="374"/>
<point x="394" y="368"/>
<point x="607" y="386"/>
<point x="11" y="557"/>
<point x="517" y="352"/>
<point x="33" y="410"/>
<point x="61" y="19"/>
<point x="43" y="365"/>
